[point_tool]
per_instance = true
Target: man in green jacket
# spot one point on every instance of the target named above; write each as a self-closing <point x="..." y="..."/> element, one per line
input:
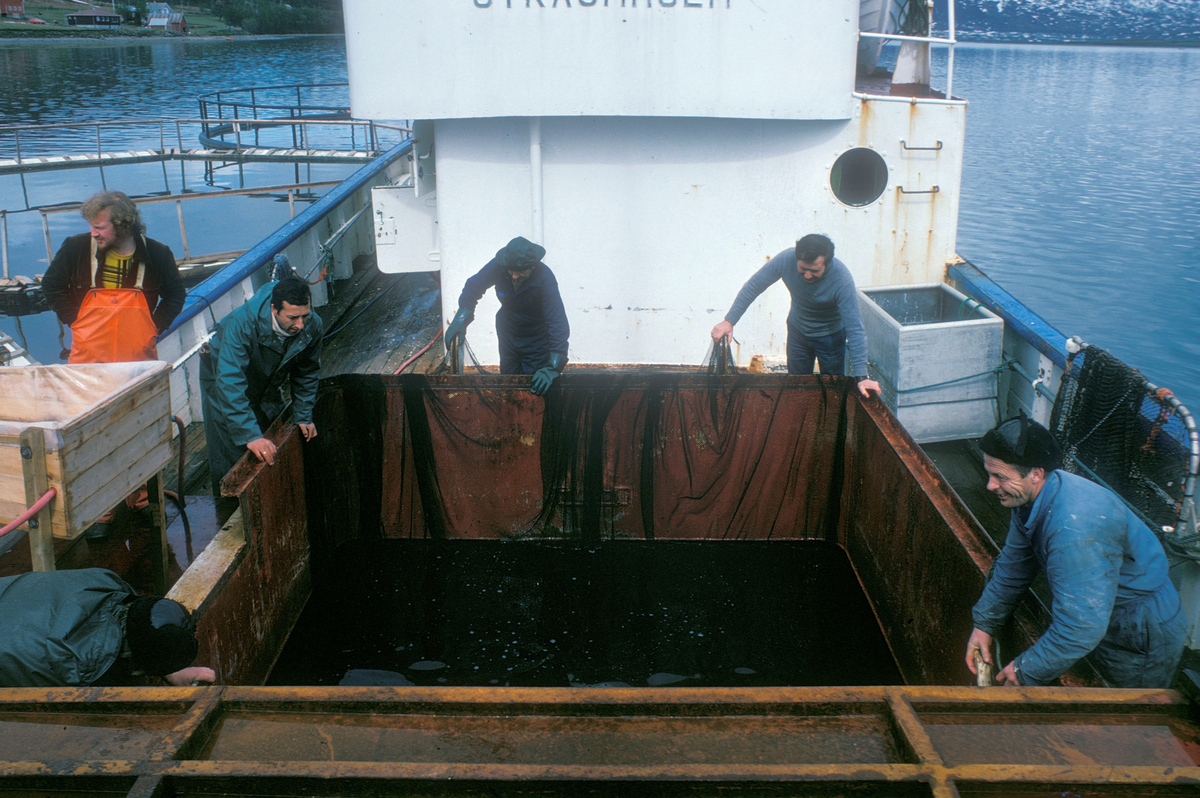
<point x="273" y="338"/>
<point x="88" y="627"/>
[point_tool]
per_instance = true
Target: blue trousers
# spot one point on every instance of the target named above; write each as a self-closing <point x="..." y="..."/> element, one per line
<point x="828" y="350"/>
<point x="522" y="351"/>
<point x="1144" y="642"/>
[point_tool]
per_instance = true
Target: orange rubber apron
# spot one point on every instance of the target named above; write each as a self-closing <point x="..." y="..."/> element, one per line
<point x="114" y="325"/>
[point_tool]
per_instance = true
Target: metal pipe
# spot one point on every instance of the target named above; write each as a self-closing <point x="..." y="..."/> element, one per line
<point x="46" y="233"/>
<point x="900" y="37"/>
<point x="950" y="54"/>
<point x="1039" y="384"/>
<point x="233" y="192"/>
<point x="887" y="98"/>
<point x="535" y="168"/>
<point x="188" y="355"/>
<point x="4" y="240"/>
<point x="182" y="228"/>
<point x="341" y="231"/>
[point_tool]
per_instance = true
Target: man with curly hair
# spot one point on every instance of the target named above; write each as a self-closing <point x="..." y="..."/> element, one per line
<point x="116" y="289"/>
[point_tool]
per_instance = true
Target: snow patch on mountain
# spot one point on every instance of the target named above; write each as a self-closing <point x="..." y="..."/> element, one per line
<point x="1072" y="20"/>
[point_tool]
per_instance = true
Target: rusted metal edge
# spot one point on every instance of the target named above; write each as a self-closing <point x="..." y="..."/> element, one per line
<point x="932" y="483"/>
<point x="644" y="700"/>
<point x="675" y="772"/>
<point x="190" y="734"/>
<point x="908" y="729"/>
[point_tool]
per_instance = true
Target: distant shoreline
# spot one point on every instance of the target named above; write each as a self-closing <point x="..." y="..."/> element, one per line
<point x="100" y="38"/>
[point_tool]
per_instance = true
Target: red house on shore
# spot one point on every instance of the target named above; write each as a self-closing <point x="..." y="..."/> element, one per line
<point x="12" y="8"/>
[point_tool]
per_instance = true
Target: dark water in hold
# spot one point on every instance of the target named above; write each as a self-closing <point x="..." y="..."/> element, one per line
<point x="619" y="613"/>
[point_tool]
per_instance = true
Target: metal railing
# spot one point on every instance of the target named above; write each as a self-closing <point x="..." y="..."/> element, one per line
<point x="294" y="191"/>
<point x="308" y="240"/>
<point x="948" y="41"/>
<point x="369" y="141"/>
<point x="214" y="105"/>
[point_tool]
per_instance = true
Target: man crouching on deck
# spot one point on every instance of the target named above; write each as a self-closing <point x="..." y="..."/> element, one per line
<point x="1107" y="572"/>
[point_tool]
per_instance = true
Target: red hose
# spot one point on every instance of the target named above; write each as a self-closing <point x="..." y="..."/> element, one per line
<point x="424" y="349"/>
<point x="31" y="512"/>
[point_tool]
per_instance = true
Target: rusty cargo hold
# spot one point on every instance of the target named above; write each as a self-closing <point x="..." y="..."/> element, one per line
<point x="652" y="457"/>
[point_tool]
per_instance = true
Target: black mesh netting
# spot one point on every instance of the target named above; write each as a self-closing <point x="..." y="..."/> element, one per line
<point x="1110" y="423"/>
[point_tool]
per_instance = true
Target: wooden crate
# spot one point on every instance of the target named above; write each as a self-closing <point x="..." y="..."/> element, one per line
<point x="106" y="429"/>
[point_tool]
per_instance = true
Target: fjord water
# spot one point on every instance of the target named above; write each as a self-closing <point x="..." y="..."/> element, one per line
<point x="1081" y="194"/>
<point x="1081" y="175"/>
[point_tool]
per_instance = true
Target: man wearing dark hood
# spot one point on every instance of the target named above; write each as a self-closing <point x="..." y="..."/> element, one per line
<point x="532" y="322"/>
<point x="1107" y="571"/>
<point x="87" y="627"/>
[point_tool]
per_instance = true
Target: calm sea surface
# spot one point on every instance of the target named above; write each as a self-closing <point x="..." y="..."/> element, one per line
<point x="1081" y="178"/>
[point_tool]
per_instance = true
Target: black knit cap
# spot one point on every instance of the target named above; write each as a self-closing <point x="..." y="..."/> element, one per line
<point x="161" y="635"/>
<point x="520" y="254"/>
<point x="1021" y="441"/>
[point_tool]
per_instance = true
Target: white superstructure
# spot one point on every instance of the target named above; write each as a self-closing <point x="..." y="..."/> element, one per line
<point x="661" y="152"/>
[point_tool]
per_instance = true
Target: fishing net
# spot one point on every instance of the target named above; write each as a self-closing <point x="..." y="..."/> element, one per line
<point x="1115" y="426"/>
<point x="648" y="455"/>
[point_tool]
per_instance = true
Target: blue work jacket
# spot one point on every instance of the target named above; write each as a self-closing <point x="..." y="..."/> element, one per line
<point x="245" y="373"/>
<point x="1098" y="556"/>
<point x="530" y="315"/>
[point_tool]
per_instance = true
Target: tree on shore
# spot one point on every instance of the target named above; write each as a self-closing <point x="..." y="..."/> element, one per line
<point x="273" y="16"/>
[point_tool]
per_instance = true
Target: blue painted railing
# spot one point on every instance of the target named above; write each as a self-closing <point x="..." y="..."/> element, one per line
<point x="1033" y="328"/>
<point x="262" y="253"/>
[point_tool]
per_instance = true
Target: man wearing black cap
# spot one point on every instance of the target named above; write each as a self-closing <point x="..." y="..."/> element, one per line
<point x="87" y="627"/>
<point x="1107" y="571"/>
<point x="532" y="322"/>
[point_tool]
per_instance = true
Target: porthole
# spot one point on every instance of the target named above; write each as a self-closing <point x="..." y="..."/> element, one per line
<point x="858" y="177"/>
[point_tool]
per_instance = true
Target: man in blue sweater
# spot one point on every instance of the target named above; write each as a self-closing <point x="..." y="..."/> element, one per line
<point x="1107" y="571"/>
<point x="824" y="315"/>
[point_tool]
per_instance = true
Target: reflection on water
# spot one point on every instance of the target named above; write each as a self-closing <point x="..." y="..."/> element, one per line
<point x="84" y="81"/>
<point x="1081" y="194"/>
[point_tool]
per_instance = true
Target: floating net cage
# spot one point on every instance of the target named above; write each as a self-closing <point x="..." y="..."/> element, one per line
<point x="1117" y="427"/>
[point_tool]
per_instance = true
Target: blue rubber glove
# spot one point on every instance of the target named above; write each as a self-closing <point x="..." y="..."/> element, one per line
<point x="458" y="324"/>
<point x="544" y="377"/>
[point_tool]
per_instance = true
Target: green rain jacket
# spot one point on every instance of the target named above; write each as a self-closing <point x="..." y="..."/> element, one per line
<point x="244" y="375"/>
<point x="60" y="628"/>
